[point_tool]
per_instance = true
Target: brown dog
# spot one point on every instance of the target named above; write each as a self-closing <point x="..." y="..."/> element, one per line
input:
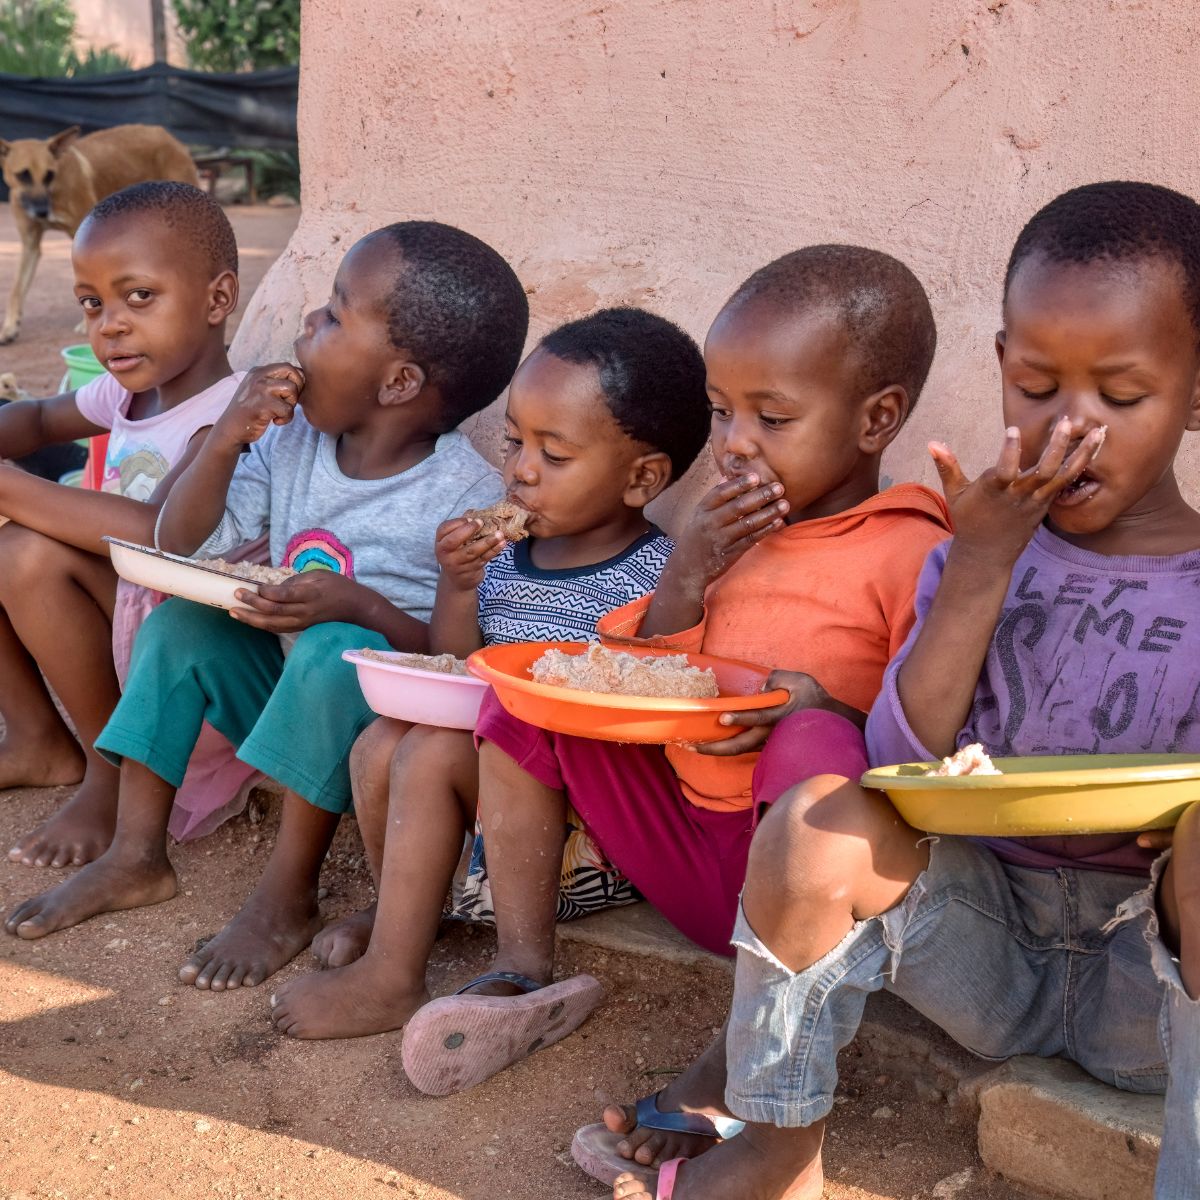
<point x="54" y="184"/>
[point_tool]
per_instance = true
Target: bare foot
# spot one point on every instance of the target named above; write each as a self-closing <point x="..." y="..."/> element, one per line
<point x="339" y="944"/>
<point x="79" y="832"/>
<point x="53" y="760"/>
<point x="699" y="1089"/>
<point x="761" y="1163"/>
<point x="350" y="1001"/>
<point x="107" y="885"/>
<point x="268" y="932"/>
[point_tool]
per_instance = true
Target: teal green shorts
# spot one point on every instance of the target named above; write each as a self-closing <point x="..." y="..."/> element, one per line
<point x="293" y="718"/>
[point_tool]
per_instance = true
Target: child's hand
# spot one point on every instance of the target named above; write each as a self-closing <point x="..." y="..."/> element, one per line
<point x="304" y="600"/>
<point x="461" y="555"/>
<point x="803" y="692"/>
<point x="998" y="513"/>
<point x="267" y="396"/>
<point x="1156" y="839"/>
<point x="735" y="515"/>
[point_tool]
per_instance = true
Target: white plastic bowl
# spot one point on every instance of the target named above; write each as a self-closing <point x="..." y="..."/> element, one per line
<point x="163" y="572"/>
<point x="422" y="697"/>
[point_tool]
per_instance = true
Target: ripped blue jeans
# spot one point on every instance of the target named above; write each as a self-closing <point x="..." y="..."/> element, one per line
<point x="1007" y="960"/>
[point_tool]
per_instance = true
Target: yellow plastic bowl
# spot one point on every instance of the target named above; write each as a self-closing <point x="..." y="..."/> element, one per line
<point x="1045" y="796"/>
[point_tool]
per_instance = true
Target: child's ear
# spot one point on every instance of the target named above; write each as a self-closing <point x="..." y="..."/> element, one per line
<point x="222" y="297"/>
<point x="1193" y="421"/>
<point x="1000" y="336"/>
<point x="403" y="383"/>
<point x="883" y="415"/>
<point x="648" y="477"/>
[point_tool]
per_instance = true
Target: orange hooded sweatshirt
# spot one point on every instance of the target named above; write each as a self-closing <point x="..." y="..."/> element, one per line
<point x="832" y="597"/>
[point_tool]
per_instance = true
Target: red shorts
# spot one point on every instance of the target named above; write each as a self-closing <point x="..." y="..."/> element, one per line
<point x="689" y="862"/>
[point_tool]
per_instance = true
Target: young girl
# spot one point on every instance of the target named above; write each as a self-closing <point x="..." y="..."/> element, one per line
<point x="795" y="559"/>
<point x="1059" y="620"/>
<point x="156" y="278"/>
<point x="601" y="417"/>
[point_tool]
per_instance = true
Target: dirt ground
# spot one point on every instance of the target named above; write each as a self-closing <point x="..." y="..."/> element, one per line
<point x="51" y="313"/>
<point x="117" y="1081"/>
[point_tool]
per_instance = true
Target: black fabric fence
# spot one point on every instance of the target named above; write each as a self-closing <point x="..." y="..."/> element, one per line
<point x="255" y="109"/>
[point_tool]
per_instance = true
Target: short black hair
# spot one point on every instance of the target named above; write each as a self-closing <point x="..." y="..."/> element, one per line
<point x="183" y="208"/>
<point x="651" y="374"/>
<point x="877" y="300"/>
<point x="1117" y="222"/>
<point x="460" y="310"/>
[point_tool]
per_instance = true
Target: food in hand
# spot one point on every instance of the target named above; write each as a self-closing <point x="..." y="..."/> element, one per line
<point x="441" y="664"/>
<point x="247" y="571"/>
<point x="504" y="517"/>
<point x="970" y="760"/>
<point x="616" y="672"/>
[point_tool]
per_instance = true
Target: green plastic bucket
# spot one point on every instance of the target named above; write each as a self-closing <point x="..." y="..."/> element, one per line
<point x="82" y="365"/>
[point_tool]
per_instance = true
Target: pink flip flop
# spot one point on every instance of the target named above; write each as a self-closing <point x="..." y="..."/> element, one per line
<point x="667" y="1175"/>
<point x="459" y="1041"/>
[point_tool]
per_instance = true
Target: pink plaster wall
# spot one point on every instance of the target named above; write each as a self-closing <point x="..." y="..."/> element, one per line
<point x="126" y="25"/>
<point x="656" y="151"/>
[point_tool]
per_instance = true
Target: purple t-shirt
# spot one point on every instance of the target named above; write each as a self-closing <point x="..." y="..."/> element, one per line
<point x="1092" y="655"/>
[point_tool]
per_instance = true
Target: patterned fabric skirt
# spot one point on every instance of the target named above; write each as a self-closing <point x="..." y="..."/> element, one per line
<point x="588" y="882"/>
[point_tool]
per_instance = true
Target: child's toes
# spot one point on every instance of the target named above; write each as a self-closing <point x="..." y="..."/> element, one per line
<point x="649" y="1151"/>
<point x="620" y="1118"/>
<point x="30" y="920"/>
<point x="255" y="974"/>
<point x="629" y="1187"/>
<point x="190" y="971"/>
<point x="218" y="979"/>
<point x="19" y="914"/>
<point x="243" y="976"/>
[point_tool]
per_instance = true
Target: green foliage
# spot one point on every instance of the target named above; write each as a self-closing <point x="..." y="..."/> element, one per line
<point x="240" y="35"/>
<point x="37" y="37"/>
<point x="277" y="172"/>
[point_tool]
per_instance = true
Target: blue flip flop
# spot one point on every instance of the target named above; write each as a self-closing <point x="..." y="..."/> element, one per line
<point x="594" y="1147"/>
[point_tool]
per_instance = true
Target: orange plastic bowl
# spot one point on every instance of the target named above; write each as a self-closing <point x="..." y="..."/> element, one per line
<point x="610" y="718"/>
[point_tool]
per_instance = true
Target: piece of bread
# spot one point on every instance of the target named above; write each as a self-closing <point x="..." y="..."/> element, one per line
<point x="506" y="517"/>
<point x="619" y="673"/>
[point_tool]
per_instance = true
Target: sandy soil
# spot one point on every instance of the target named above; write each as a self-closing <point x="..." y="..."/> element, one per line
<point x="51" y="313"/>
<point x="116" y="1080"/>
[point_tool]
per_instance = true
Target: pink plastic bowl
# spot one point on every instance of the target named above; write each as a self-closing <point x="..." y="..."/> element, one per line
<point x="422" y="697"/>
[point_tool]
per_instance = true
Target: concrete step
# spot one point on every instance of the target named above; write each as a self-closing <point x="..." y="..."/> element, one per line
<point x="1043" y="1123"/>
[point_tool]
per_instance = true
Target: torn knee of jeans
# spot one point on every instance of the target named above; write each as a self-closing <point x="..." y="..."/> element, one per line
<point x="746" y="940"/>
<point x="1143" y="902"/>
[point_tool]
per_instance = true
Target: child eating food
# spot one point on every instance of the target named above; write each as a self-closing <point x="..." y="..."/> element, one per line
<point x="156" y="277"/>
<point x="1059" y="620"/>
<point x="601" y="417"/>
<point x="795" y="560"/>
<point x="354" y="460"/>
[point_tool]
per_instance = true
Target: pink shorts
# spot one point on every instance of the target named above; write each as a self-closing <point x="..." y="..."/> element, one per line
<point x="689" y="862"/>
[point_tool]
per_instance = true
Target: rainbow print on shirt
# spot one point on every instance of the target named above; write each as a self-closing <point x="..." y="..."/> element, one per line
<point x="318" y="550"/>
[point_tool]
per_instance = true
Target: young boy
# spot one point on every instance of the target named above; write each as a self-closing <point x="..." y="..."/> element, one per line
<point x="795" y="560"/>
<point x="1058" y="620"/>
<point x="156" y="276"/>
<point x="354" y="460"/>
